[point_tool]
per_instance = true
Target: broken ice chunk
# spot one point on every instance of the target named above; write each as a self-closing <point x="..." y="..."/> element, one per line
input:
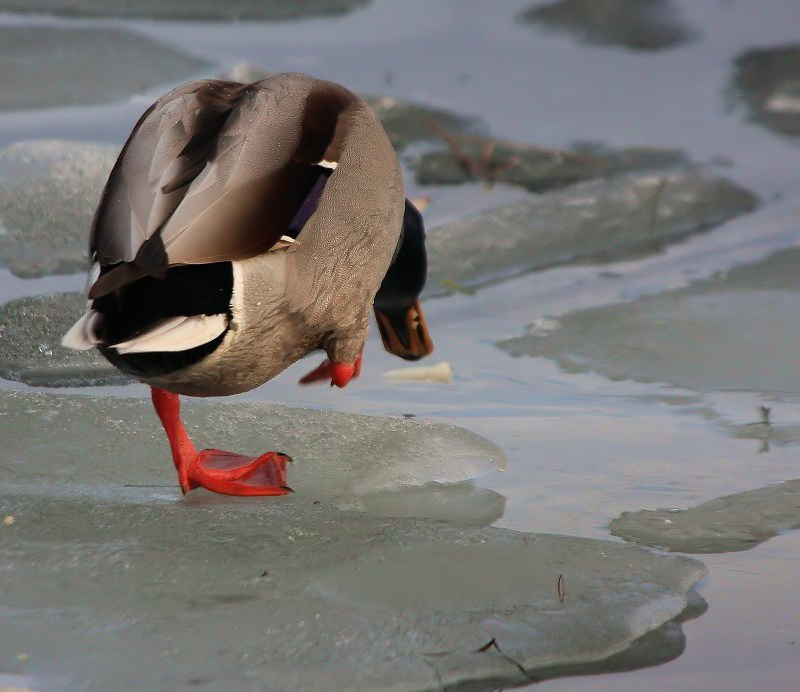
<point x="48" y="192"/>
<point x="634" y="24"/>
<point x="535" y="168"/>
<point x="337" y="455"/>
<point x="733" y="332"/>
<point x="339" y="600"/>
<point x="726" y="524"/>
<point x="766" y="81"/>
<point x="55" y="66"/>
<point x="31" y="350"/>
<point x="188" y="9"/>
<point x="598" y="221"/>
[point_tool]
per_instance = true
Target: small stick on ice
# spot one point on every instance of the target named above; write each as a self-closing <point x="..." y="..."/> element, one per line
<point x="426" y="373"/>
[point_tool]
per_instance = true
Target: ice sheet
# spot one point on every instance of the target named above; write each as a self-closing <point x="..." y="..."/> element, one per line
<point x="50" y="66"/>
<point x="101" y="594"/>
<point x="729" y="333"/>
<point x="635" y="24"/>
<point x="766" y="81"/>
<point x="187" y="9"/>
<point x="626" y="216"/>
<point x="726" y="524"/>
<point x="80" y="441"/>
<point x="535" y="168"/>
<point x="31" y="350"/>
<point x="48" y="192"/>
<point x="375" y="573"/>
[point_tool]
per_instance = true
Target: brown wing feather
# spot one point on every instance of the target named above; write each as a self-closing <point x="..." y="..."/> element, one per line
<point x="166" y="149"/>
<point x="214" y="171"/>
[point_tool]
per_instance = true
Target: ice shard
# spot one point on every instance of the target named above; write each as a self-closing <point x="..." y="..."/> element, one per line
<point x="733" y="332"/>
<point x="723" y="525"/>
<point x="596" y="221"/>
<point x="53" y="66"/>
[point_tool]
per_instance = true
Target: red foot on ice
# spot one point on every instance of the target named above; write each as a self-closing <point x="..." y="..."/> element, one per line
<point x="215" y="469"/>
<point x="339" y="373"/>
<point x="236" y="474"/>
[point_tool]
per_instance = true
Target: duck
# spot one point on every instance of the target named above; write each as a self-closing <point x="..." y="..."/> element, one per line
<point x="242" y="227"/>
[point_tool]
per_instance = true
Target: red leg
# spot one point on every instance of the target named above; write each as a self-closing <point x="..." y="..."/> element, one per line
<point x="215" y="469"/>
<point x="340" y="373"/>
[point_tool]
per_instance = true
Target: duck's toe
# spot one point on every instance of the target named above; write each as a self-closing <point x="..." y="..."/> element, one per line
<point x="235" y="474"/>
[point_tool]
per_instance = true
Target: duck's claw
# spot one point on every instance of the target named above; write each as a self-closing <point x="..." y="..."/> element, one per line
<point x="339" y="373"/>
<point x="236" y="474"/>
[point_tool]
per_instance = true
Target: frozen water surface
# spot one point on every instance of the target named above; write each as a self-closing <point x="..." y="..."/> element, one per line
<point x="87" y="440"/>
<point x="684" y="337"/>
<point x="635" y="24"/>
<point x="338" y="596"/>
<point x="595" y="221"/>
<point x="31" y="350"/>
<point x="725" y="524"/>
<point x="311" y="597"/>
<point x="48" y="193"/>
<point x="533" y="167"/>
<point x="50" y="66"/>
<point x="188" y="9"/>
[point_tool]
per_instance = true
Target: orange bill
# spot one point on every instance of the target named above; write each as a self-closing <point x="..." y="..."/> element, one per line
<point x="405" y="332"/>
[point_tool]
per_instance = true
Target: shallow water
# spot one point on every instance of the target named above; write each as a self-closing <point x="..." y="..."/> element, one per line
<point x="583" y="445"/>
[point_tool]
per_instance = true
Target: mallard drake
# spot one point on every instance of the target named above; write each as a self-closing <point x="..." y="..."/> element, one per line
<point x="242" y="227"/>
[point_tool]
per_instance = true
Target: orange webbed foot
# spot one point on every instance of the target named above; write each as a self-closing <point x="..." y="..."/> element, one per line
<point x="236" y="474"/>
<point x="215" y="469"/>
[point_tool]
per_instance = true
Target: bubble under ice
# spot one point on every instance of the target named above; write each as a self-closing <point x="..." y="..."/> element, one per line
<point x="339" y="597"/>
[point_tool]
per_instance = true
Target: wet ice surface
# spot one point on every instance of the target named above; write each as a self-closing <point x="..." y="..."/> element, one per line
<point x="533" y="167"/>
<point x="312" y="597"/>
<point x="636" y="24"/>
<point x="596" y="221"/>
<point x="31" y="350"/>
<point x="582" y="448"/>
<point x="49" y="66"/>
<point x="318" y="574"/>
<point x="726" y="524"/>
<point x="684" y="337"/>
<point x="338" y="455"/>
<point x="48" y="192"/>
<point x="188" y="9"/>
<point x="766" y="80"/>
